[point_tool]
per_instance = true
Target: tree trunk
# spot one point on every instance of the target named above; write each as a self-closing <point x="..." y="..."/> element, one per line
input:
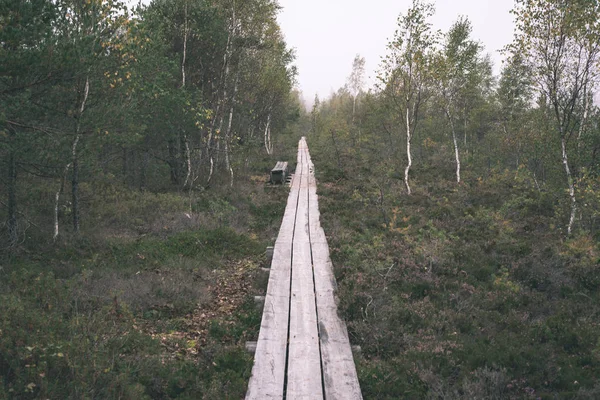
<point x="75" y="159"/>
<point x="268" y="145"/>
<point x="186" y="145"/>
<point x="75" y="185"/>
<point x="185" y="39"/>
<point x="211" y="131"/>
<point x="456" y="153"/>
<point x="222" y="104"/>
<point x="228" y="163"/>
<point x="565" y="160"/>
<point x="228" y="133"/>
<point x="57" y="201"/>
<point x="13" y="233"/>
<point x="188" y="160"/>
<point x="408" y="153"/>
<point x="210" y="173"/>
<point x="217" y="156"/>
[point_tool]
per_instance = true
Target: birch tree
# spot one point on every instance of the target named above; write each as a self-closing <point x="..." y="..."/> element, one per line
<point x="515" y="95"/>
<point x="406" y="69"/>
<point x="455" y="65"/>
<point x="561" y="41"/>
<point x="88" y="28"/>
<point x="356" y="80"/>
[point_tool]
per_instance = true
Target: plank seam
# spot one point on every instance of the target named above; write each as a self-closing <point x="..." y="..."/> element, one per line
<point x="287" y="348"/>
<point x="312" y="264"/>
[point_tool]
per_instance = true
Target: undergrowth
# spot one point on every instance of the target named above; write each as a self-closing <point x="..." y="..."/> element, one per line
<point x="153" y="300"/>
<point x="464" y="291"/>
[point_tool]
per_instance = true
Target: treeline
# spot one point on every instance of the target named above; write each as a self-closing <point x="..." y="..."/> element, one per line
<point x="438" y="108"/>
<point x="174" y="95"/>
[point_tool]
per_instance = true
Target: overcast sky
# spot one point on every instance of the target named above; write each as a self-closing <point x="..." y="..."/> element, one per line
<point x="327" y="34"/>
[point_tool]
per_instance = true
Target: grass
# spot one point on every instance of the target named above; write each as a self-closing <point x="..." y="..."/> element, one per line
<point x="454" y="292"/>
<point x="460" y="292"/>
<point x="154" y="300"/>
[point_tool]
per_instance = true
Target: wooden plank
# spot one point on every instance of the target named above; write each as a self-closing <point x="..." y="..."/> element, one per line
<point x="316" y="336"/>
<point x="280" y="166"/>
<point x="339" y="371"/>
<point x="304" y="364"/>
<point x="268" y="372"/>
<point x="286" y="231"/>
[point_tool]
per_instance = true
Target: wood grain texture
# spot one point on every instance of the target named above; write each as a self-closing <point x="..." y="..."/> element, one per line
<point x="268" y="372"/>
<point x="300" y="325"/>
<point x="339" y="371"/>
<point x="304" y="364"/>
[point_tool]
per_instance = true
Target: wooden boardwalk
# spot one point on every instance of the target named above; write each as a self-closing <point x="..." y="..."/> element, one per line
<point x="303" y="351"/>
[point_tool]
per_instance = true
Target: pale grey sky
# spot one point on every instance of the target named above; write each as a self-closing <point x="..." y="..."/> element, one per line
<point x="327" y="34"/>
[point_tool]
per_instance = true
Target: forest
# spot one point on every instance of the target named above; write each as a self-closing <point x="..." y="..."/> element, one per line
<point x="462" y="208"/>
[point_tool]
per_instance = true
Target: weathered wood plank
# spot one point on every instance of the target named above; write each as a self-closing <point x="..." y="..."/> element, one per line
<point x="302" y="325"/>
<point x="268" y="372"/>
<point x="304" y="364"/>
<point x="279" y="172"/>
<point x="286" y="230"/>
<point x="339" y="371"/>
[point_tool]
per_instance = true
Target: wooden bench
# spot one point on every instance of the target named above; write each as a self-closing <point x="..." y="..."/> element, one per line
<point x="279" y="173"/>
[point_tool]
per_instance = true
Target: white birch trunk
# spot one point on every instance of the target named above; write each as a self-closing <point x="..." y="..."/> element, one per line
<point x="210" y="173"/>
<point x="408" y="154"/>
<point x="217" y="156"/>
<point x="188" y="154"/>
<point x="228" y="133"/>
<point x="188" y="159"/>
<point x="268" y="145"/>
<point x="565" y="160"/>
<point x="211" y="132"/>
<point x="57" y="201"/>
<point x="75" y="161"/>
<point x="220" y="104"/>
<point x="185" y="39"/>
<point x="457" y="156"/>
<point x="584" y="119"/>
<point x="456" y="153"/>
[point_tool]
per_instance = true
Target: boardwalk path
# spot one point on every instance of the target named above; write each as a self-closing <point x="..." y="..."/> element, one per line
<point x="303" y="351"/>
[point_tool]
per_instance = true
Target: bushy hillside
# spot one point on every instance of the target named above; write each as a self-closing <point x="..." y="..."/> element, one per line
<point x="462" y="211"/>
<point x="464" y="291"/>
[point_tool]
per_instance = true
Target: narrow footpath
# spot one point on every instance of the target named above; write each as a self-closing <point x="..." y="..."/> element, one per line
<point x="303" y="351"/>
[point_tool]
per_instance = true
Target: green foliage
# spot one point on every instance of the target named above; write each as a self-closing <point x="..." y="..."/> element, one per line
<point x="455" y="292"/>
<point x="466" y="290"/>
<point x="107" y="314"/>
<point x="92" y="93"/>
